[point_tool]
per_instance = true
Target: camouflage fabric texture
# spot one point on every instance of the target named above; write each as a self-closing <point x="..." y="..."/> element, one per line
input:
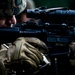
<point x="30" y="4"/>
<point x="27" y="49"/>
<point x="72" y="48"/>
<point x="11" y="7"/>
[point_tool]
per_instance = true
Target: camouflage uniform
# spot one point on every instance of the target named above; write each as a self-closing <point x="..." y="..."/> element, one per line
<point x="25" y="49"/>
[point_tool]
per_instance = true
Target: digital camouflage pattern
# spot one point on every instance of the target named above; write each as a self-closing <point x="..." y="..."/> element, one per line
<point x="19" y="6"/>
<point x="10" y="7"/>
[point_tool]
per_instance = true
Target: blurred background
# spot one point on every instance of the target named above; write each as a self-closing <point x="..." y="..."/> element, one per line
<point x="56" y="3"/>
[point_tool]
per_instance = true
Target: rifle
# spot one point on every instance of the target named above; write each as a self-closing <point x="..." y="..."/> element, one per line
<point x="56" y="29"/>
<point x="59" y="23"/>
<point x="26" y="29"/>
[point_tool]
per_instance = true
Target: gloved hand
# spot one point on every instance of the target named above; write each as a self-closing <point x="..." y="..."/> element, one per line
<point x="2" y="68"/>
<point x="28" y="50"/>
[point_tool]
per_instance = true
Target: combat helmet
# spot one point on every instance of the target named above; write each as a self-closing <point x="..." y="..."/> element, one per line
<point x="12" y="7"/>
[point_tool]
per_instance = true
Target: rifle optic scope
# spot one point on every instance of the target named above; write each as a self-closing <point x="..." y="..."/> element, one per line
<point x="52" y="15"/>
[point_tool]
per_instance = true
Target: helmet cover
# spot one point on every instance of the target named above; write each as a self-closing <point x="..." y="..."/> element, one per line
<point x="11" y="7"/>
